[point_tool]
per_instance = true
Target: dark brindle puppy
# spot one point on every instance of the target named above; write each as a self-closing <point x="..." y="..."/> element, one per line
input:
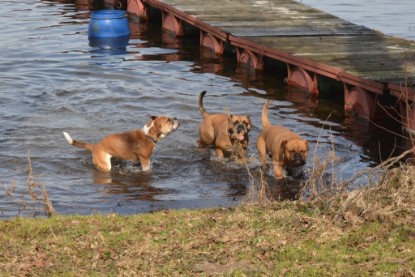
<point x="228" y="133"/>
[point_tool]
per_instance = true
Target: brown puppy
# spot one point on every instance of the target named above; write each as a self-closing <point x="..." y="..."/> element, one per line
<point x="287" y="149"/>
<point x="228" y="133"/>
<point x="136" y="145"/>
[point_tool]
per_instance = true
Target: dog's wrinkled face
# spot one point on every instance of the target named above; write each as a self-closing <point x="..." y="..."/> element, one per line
<point x="161" y="126"/>
<point x="239" y="127"/>
<point x="295" y="151"/>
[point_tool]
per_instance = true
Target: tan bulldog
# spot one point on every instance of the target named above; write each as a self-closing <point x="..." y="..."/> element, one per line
<point x="287" y="150"/>
<point x="136" y="145"/>
<point x="228" y="133"/>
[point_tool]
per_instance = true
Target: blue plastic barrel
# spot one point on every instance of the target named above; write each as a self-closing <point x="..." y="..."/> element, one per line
<point x="108" y="24"/>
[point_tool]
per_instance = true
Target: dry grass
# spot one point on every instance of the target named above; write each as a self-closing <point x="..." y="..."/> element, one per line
<point x="258" y="193"/>
<point x="387" y="192"/>
<point x="277" y="239"/>
<point x="390" y="198"/>
<point x="32" y="199"/>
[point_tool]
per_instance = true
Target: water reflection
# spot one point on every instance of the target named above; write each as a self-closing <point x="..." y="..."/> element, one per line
<point x="131" y="186"/>
<point x="185" y="46"/>
<point x="84" y="5"/>
<point x="109" y="46"/>
<point x="210" y="61"/>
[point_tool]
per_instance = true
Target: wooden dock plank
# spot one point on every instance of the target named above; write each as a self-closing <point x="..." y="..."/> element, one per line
<point x="374" y="57"/>
<point x="290" y="19"/>
<point x="308" y="34"/>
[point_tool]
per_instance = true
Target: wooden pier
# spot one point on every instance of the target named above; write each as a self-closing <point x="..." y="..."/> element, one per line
<point x="312" y="44"/>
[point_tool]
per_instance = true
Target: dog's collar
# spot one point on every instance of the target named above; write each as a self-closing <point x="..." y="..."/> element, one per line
<point x="152" y="139"/>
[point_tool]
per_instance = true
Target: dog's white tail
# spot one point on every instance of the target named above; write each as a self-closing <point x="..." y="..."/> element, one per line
<point x="68" y="138"/>
<point x="78" y="143"/>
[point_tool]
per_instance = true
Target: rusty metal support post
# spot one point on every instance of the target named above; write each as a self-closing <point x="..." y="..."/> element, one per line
<point x="359" y="101"/>
<point x="298" y="77"/>
<point x="249" y="58"/>
<point x="172" y="24"/>
<point x="137" y="8"/>
<point x="209" y="41"/>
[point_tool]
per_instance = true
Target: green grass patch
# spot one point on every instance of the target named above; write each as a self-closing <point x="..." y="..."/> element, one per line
<point x="275" y="239"/>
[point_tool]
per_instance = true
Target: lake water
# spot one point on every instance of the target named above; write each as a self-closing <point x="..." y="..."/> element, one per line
<point x="395" y="18"/>
<point x="52" y="81"/>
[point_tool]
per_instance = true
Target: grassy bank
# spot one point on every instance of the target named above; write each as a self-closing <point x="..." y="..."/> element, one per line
<point x="366" y="232"/>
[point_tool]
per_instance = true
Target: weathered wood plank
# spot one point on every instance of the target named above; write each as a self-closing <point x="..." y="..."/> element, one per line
<point x="374" y="57"/>
<point x="268" y="19"/>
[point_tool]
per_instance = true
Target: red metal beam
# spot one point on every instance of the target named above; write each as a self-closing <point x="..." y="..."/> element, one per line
<point x="321" y="69"/>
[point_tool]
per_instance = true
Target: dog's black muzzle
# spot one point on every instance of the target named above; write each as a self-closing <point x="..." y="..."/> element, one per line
<point x="298" y="160"/>
<point x="241" y="129"/>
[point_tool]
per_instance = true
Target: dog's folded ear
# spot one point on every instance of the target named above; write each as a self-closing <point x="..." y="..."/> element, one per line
<point x="282" y="149"/>
<point x="248" y="124"/>
<point x="150" y="122"/>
